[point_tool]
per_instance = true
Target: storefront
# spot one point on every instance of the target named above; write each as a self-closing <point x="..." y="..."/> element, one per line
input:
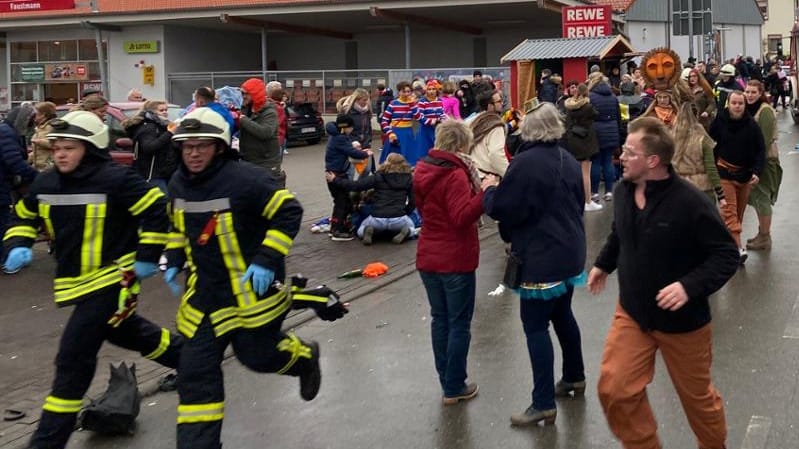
<point x="52" y="70"/>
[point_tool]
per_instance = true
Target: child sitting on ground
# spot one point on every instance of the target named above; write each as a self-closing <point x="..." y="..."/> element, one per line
<point x="340" y="148"/>
<point x="392" y="199"/>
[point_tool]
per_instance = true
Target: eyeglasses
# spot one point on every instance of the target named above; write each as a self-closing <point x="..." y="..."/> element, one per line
<point x="200" y="147"/>
<point x="628" y="152"/>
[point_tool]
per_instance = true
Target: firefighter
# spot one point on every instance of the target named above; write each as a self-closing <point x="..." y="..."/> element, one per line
<point x="233" y="227"/>
<point x="108" y="229"/>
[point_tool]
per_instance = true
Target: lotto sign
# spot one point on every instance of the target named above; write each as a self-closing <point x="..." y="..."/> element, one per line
<point x="149" y="75"/>
<point x="586" y="21"/>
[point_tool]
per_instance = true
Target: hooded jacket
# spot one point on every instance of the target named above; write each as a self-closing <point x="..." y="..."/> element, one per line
<point x="608" y="119"/>
<point x="258" y="135"/>
<point x="393" y="192"/>
<point x="580" y="138"/>
<point x="339" y="149"/>
<point x="449" y="207"/>
<point x="156" y="156"/>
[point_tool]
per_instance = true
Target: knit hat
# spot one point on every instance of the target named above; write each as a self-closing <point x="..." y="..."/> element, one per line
<point x="627" y="88"/>
<point x="344" y="121"/>
<point x="433" y="83"/>
<point x="256" y="88"/>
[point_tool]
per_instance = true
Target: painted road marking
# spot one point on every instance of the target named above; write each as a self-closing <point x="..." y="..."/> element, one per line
<point x="757" y="433"/>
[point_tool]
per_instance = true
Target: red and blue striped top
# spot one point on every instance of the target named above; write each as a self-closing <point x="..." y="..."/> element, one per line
<point x="399" y="114"/>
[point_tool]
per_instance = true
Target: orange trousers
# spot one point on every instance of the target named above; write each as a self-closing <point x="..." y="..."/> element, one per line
<point x="737" y="196"/>
<point x="628" y="366"/>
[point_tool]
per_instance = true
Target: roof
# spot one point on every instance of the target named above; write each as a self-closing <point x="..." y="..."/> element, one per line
<point x="561" y="48"/>
<point x="616" y="5"/>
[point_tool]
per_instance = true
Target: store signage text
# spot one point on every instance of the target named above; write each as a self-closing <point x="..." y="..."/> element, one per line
<point x="586" y="21"/>
<point x="32" y="72"/>
<point x="141" y="46"/>
<point x="40" y="5"/>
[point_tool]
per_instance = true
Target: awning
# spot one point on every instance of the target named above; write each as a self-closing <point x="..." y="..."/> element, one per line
<point x="560" y="48"/>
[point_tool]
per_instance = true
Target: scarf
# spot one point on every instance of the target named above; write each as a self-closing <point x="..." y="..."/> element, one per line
<point x="665" y="114"/>
<point x="484" y="124"/>
<point x="754" y="107"/>
<point x="473" y="174"/>
<point x="359" y="108"/>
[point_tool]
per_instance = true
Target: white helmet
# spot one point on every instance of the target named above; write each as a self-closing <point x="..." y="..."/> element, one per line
<point x="81" y="125"/>
<point x="203" y="123"/>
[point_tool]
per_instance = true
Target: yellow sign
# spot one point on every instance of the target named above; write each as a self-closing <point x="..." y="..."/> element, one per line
<point x="148" y="75"/>
<point x="141" y="46"/>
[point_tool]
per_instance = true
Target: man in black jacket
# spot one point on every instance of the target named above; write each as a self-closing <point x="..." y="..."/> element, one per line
<point x="672" y="251"/>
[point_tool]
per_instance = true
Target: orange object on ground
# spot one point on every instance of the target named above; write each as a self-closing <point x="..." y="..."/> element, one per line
<point x="374" y="269"/>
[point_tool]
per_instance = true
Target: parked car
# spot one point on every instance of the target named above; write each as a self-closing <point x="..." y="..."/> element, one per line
<point x="121" y="145"/>
<point x="304" y="124"/>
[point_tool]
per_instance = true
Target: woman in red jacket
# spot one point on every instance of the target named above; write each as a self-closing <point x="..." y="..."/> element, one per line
<point x="449" y="197"/>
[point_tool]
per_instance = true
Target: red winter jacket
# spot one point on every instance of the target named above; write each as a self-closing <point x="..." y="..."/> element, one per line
<point x="282" y="126"/>
<point x="450" y="208"/>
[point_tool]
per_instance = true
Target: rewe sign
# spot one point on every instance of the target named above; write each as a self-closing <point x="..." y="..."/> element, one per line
<point x="586" y="21"/>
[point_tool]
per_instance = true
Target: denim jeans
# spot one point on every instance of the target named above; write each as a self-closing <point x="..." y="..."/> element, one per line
<point x="602" y="162"/>
<point x="536" y="315"/>
<point x="451" y="297"/>
<point x="394" y="224"/>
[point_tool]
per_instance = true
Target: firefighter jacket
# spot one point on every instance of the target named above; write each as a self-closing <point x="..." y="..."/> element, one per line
<point x="101" y="218"/>
<point x="224" y="219"/>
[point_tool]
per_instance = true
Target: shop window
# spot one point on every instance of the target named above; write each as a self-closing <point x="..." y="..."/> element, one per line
<point x="23" y="51"/>
<point x="87" y="49"/>
<point x="52" y="51"/>
<point x="24" y="92"/>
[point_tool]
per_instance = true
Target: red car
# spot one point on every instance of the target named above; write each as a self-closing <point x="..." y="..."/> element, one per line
<point x="121" y="145"/>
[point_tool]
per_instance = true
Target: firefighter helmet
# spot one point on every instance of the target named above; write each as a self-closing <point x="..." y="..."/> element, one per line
<point x="203" y="123"/>
<point x="81" y="125"/>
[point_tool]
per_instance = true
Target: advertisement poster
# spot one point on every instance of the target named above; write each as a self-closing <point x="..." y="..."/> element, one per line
<point x="65" y="72"/>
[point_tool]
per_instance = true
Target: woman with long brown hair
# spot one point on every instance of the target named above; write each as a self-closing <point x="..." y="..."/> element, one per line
<point x="703" y="98"/>
<point x="764" y="193"/>
<point x="693" y="156"/>
<point x="580" y="139"/>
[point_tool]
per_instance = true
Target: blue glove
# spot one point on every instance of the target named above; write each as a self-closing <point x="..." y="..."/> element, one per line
<point x="169" y="278"/>
<point x="145" y="270"/>
<point x="261" y="278"/>
<point x="17" y="258"/>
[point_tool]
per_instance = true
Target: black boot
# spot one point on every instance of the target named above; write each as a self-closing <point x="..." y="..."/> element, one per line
<point x="311" y="378"/>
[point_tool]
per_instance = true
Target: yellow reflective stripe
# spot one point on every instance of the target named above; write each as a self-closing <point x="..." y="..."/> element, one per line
<point x="276" y="202"/>
<point x="91" y="251"/>
<point x="146" y="201"/>
<point x="23" y="212"/>
<point x="21" y="231"/>
<point x="176" y="240"/>
<point x="194" y="413"/>
<point x="59" y="405"/>
<point x="44" y="212"/>
<point x="251" y="322"/>
<point x="163" y="345"/>
<point x="259" y="307"/>
<point x="624" y="109"/>
<point x="234" y="262"/>
<point x="304" y="297"/>
<point x="84" y="289"/>
<point x="179" y="220"/>
<point x="278" y="241"/>
<point x="293" y="345"/>
<point x="153" y="238"/>
<point x="125" y="262"/>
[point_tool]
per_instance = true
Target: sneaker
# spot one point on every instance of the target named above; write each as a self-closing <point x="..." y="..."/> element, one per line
<point x="285" y="152"/>
<point x="402" y="235"/>
<point x="533" y="416"/>
<point x="368" y="233"/>
<point x="742" y="256"/>
<point x="311" y="379"/>
<point x="595" y="197"/>
<point x="469" y="392"/>
<point x="7" y="271"/>
<point x="341" y="236"/>
<point x="608" y="196"/>
<point x="592" y="206"/>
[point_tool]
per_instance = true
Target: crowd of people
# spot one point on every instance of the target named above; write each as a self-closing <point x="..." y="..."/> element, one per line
<point x="701" y="140"/>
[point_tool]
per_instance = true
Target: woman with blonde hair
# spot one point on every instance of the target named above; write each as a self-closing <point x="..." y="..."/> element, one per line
<point x="42" y="155"/>
<point x="449" y="197"/>
<point x="693" y="156"/>
<point x="392" y="199"/>
<point x="449" y="101"/>
<point x="358" y="105"/>
<point x="580" y="138"/>
<point x="155" y="157"/>
<point x="764" y="194"/>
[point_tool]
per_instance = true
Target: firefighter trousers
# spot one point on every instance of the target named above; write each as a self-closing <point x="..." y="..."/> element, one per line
<point x="84" y="334"/>
<point x="265" y="349"/>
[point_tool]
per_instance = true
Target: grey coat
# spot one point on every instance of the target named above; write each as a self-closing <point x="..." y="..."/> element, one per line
<point x="258" y="141"/>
